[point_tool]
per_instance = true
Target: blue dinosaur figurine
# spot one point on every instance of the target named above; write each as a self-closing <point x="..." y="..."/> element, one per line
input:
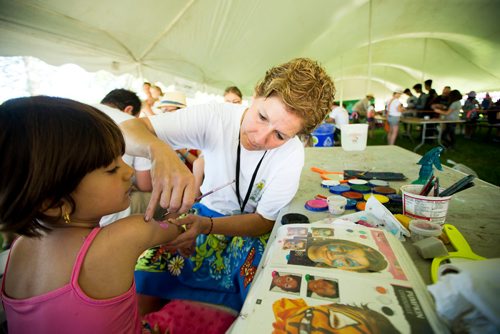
<point x="428" y="160"/>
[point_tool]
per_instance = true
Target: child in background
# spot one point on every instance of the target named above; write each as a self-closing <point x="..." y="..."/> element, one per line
<point x="61" y="172"/>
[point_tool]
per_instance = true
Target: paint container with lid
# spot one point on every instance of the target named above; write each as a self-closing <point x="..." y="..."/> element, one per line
<point x="421" y="229"/>
<point x="316" y="205"/>
<point x="360" y="206"/>
<point x="338" y="190"/>
<point x="294" y="218"/>
<point x="384" y="190"/>
<point x="378" y="183"/>
<point x="381" y="198"/>
<point x="336" y="204"/>
<point x="430" y="208"/>
<point x="357" y="182"/>
<point x="364" y="189"/>
<point x="395" y="198"/>
<point x="351" y="204"/>
<point x="395" y="204"/>
<point x="353" y="195"/>
<point x="329" y="183"/>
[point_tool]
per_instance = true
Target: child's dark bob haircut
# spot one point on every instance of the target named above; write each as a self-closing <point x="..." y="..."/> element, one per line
<point x="47" y="146"/>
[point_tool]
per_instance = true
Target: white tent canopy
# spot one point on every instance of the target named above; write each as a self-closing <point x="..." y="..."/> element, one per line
<point x="367" y="46"/>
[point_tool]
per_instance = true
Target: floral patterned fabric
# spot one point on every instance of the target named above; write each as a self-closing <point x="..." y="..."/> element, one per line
<point x="220" y="270"/>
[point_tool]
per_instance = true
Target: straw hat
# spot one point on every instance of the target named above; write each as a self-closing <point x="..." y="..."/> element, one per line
<point x="173" y="99"/>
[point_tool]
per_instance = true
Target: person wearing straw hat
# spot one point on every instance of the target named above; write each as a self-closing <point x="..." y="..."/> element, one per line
<point x="360" y="108"/>
<point x="172" y="101"/>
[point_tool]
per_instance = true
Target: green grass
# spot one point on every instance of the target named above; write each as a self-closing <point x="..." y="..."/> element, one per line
<point x="479" y="153"/>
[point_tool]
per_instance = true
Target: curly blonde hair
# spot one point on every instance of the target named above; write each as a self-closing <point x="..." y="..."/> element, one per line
<point x="304" y="87"/>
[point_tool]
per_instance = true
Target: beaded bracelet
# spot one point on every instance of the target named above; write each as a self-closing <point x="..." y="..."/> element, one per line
<point x="185" y="155"/>
<point x="211" y="225"/>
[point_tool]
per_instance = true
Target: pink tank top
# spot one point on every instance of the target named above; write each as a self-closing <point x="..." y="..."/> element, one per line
<point x="68" y="310"/>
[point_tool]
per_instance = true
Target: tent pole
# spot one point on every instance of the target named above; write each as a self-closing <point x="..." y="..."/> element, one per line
<point x="423" y="60"/>
<point x="369" y="86"/>
<point x="341" y="80"/>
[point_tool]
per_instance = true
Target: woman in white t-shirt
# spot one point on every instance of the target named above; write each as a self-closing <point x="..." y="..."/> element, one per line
<point x="257" y="148"/>
<point x="394" y="110"/>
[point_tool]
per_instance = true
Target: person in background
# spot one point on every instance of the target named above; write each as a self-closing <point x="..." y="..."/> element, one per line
<point x="421" y="98"/>
<point x="411" y="102"/>
<point x="153" y="96"/>
<point x="172" y="101"/>
<point x="72" y="275"/>
<point x="339" y="116"/>
<point x="233" y="94"/>
<point x="471" y="110"/>
<point x="370" y="118"/>
<point x="121" y="105"/>
<point x="360" y="108"/>
<point x="431" y="94"/>
<point x="487" y="102"/>
<point x="442" y="101"/>
<point x="453" y="114"/>
<point x="257" y="148"/>
<point x="394" y="111"/>
<point x="146" y="88"/>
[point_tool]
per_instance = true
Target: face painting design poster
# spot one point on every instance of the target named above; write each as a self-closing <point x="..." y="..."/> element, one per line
<point x="337" y="278"/>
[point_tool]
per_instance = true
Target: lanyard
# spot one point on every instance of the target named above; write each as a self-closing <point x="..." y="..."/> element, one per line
<point x="238" y="152"/>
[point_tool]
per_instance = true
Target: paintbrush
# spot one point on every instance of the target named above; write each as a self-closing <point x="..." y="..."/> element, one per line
<point x="436" y="187"/>
<point x="366" y="171"/>
<point x="197" y="199"/>
<point x="457" y="186"/>
<point x="425" y="189"/>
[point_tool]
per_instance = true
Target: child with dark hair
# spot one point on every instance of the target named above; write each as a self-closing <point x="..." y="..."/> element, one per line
<point x="62" y="171"/>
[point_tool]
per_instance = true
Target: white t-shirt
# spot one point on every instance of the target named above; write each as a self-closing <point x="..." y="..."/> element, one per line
<point x="137" y="163"/>
<point x="393" y="108"/>
<point x="214" y="129"/>
<point x="340" y="115"/>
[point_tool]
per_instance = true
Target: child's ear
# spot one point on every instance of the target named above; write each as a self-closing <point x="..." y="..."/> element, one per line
<point x="53" y="212"/>
<point x="57" y="210"/>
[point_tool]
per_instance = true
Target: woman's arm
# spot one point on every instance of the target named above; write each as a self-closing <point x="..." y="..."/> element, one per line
<point x="173" y="183"/>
